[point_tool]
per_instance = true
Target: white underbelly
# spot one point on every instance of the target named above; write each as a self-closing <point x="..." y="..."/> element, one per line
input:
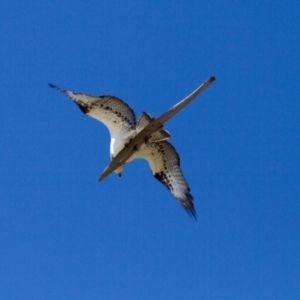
<point x="117" y="144"/>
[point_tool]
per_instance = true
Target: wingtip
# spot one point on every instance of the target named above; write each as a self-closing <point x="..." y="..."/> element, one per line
<point x="189" y="207"/>
<point x="52" y="85"/>
<point x="212" y="78"/>
<point x="192" y="213"/>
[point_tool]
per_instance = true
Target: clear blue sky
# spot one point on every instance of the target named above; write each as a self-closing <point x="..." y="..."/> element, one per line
<point x="63" y="235"/>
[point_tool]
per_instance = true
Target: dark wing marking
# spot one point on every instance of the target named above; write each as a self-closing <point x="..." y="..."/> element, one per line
<point x="113" y="112"/>
<point x="165" y="166"/>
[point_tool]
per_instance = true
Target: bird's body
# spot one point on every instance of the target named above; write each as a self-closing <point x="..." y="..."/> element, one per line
<point x="120" y="120"/>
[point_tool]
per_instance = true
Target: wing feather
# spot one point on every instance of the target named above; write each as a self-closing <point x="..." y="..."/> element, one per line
<point x="165" y="166"/>
<point x="111" y="111"/>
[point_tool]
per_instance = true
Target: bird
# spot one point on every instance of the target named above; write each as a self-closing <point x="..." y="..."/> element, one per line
<point x="121" y="122"/>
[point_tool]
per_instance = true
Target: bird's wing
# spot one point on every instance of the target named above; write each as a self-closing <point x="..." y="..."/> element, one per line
<point x="111" y="111"/>
<point x="165" y="166"/>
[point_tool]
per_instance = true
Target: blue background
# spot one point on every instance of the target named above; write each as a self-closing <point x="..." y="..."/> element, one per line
<point x="63" y="235"/>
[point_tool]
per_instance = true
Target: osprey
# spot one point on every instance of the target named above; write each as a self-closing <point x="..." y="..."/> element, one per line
<point x="120" y="120"/>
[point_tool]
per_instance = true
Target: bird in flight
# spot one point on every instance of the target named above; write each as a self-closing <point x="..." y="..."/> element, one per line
<point x="120" y="120"/>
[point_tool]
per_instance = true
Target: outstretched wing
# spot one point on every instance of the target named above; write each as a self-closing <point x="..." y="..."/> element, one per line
<point x="111" y="111"/>
<point x="165" y="166"/>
